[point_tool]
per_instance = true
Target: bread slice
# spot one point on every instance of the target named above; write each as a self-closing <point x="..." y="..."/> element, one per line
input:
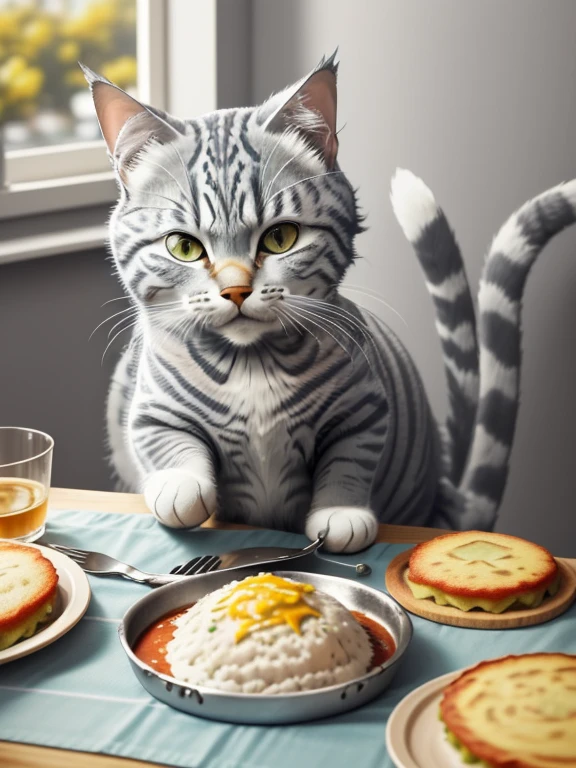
<point x="28" y="584"/>
<point x="515" y="712"/>
<point x="477" y="569"/>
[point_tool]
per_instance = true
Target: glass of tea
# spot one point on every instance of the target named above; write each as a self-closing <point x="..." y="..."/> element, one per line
<point x="25" y="468"/>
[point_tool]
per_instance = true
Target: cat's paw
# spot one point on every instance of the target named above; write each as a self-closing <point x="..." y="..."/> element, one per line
<point x="350" y="529"/>
<point x="179" y="498"/>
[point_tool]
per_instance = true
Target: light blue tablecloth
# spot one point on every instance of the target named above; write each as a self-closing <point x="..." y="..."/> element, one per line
<point x="80" y="693"/>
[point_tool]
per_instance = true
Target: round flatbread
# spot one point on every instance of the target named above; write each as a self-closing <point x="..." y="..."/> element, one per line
<point x="28" y="584"/>
<point x="483" y="569"/>
<point x="515" y="712"/>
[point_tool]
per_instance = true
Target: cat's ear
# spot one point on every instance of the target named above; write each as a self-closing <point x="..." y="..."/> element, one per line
<point x="126" y="124"/>
<point x="309" y="107"/>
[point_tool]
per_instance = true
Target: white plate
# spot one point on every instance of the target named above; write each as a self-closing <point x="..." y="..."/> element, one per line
<point x="73" y="597"/>
<point x="415" y="736"/>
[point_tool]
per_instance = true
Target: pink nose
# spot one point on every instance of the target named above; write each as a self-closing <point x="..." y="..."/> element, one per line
<point x="236" y="293"/>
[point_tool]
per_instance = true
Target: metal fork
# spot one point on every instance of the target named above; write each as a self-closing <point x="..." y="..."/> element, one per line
<point x="104" y="565"/>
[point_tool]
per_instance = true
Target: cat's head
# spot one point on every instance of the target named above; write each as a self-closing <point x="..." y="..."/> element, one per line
<point x="230" y="221"/>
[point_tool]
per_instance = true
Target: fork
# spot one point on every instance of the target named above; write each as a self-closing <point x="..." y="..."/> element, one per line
<point x="104" y="565"/>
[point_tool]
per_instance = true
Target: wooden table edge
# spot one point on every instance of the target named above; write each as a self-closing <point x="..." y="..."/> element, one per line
<point x="133" y="503"/>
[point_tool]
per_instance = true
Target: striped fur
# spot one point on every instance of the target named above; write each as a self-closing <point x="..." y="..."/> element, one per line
<point x="492" y="399"/>
<point x="426" y="227"/>
<point x="298" y="410"/>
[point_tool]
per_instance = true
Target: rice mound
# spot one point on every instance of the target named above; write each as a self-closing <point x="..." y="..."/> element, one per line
<point x="330" y="649"/>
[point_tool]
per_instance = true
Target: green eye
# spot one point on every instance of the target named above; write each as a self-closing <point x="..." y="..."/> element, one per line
<point x="184" y="247"/>
<point x="279" y="238"/>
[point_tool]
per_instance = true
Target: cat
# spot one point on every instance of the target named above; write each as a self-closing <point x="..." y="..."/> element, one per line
<point x="253" y="390"/>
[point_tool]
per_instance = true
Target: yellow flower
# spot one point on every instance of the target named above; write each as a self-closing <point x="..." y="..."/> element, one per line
<point x="25" y="85"/>
<point x="37" y="33"/>
<point x="9" y="29"/>
<point x="95" y="24"/>
<point x="69" y="51"/>
<point x="101" y="13"/>
<point x="121" y="71"/>
<point x="11" y="68"/>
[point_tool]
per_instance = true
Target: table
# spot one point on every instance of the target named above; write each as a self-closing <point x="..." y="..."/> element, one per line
<point x="13" y="755"/>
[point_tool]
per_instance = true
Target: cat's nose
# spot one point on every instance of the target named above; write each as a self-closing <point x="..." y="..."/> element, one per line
<point x="236" y="293"/>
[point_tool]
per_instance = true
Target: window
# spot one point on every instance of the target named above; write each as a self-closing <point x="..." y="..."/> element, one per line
<point x="43" y="96"/>
<point x="49" y="125"/>
<point x="60" y="185"/>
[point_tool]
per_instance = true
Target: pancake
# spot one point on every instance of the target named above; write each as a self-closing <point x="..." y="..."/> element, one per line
<point x="515" y="712"/>
<point x="28" y="584"/>
<point x="478" y="569"/>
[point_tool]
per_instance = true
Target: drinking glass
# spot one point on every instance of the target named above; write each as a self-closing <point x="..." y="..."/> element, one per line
<point x="25" y="468"/>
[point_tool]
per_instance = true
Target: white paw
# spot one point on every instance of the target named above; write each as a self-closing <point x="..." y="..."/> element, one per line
<point x="350" y="529"/>
<point x="179" y="498"/>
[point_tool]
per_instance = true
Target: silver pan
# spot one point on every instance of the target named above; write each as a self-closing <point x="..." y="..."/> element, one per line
<point x="261" y="709"/>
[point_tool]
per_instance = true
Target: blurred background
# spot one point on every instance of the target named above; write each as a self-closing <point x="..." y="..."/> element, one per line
<point x="43" y="95"/>
<point x="478" y="98"/>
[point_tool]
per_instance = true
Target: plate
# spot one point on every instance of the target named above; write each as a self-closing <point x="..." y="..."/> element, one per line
<point x="476" y="619"/>
<point x="72" y="599"/>
<point x="266" y="709"/>
<point x="415" y="736"/>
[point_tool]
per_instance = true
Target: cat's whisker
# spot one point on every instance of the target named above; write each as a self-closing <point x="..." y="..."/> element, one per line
<point x="270" y="156"/>
<point x="129" y="317"/>
<point x="308" y="178"/>
<point x="148" y="208"/>
<point x="187" y="177"/>
<point x="270" y="184"/>
<point x="183" y="325"/>
<point x="321" y="326"/>
<point x="286" y="313"/>
<point x="118" y="298"/>
<point x="372" y="295"/>
<point x="282" y="324"/>
<point x="130" y="325"/>
<point x="335" y="325"/>
<point x="159" y="308"/>
<point x="135" y="310"/>
<point x="163" y="197"/>
<point x="185" y="195"/>
<point x="279" y="312"/>
<point x="335" y="310"/>
<point x="122" y="312"/>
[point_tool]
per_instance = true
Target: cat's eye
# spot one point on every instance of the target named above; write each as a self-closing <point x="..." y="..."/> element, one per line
<point x="185" y="247"/>
<point x="279" y="238"/>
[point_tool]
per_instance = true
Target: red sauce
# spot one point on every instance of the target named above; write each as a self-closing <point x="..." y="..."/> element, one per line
<point x="151" y="645"/>
<point x="383" y="645"/>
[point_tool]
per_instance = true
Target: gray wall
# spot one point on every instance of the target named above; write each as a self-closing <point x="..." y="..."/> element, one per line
<point x="51" y="377"/>
<point x="478" y="99"/>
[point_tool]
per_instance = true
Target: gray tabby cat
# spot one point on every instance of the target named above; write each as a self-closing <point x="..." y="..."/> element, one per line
<point x="251" y="388"/>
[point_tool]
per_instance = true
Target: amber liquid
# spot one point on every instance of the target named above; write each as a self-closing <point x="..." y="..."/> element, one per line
<point x="23" y="507"/>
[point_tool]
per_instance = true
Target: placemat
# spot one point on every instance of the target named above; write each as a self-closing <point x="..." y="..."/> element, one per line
<point x="80" y="693"/>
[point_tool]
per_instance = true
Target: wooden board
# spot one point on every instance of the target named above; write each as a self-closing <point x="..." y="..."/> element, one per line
<point x="133" y="503"/>
<point x="476" y="619"/>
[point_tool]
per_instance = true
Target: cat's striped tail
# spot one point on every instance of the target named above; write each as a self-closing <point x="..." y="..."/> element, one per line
<point x="513" y="252"/>
<point x="427" y="229"/>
